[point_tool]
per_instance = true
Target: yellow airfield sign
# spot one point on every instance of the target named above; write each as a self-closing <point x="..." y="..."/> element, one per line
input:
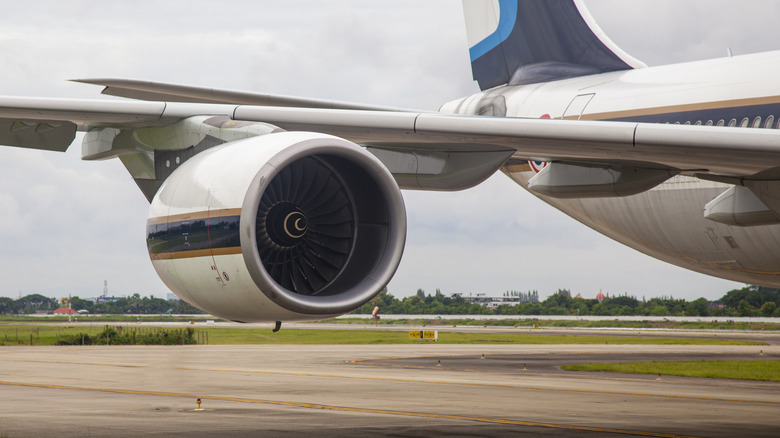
<point x="430" y="335"/>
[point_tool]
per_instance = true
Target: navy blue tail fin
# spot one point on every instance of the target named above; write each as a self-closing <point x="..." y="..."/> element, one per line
<point x="527" y="41"/>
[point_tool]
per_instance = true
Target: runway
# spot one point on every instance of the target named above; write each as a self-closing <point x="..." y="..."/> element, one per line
<point x="427" y="390"/>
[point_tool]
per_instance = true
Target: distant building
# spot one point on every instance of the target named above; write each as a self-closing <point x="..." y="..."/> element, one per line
<point x="600" y="296"/>
<point x="172" y="297"/>
<point x="65" y="311"/>
<point x="489" y="302"/>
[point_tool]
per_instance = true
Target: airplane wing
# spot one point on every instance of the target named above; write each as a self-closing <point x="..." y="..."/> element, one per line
<point x="50" y="124"/>
<point x="291" y="182"/>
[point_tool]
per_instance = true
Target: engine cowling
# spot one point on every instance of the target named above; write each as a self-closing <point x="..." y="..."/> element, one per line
<point x="281" y="227"/>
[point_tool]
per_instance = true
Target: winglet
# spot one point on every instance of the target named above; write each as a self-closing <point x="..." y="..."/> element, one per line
<point x="527" y="41"/>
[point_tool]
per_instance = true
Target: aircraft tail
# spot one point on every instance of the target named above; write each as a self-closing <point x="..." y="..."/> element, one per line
<point x="529" y="41"/>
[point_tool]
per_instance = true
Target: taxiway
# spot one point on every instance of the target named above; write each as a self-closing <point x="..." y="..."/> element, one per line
<point x="424" y="390"/>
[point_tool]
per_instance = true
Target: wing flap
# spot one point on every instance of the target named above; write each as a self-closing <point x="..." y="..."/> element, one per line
<point x="50" y="135"/>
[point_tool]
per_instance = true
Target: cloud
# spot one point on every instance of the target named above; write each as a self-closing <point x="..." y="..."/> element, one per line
<point x="670" y="31"/>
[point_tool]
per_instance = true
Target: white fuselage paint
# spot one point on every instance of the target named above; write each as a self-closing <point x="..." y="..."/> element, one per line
<point x="665" y="222"/>
<point x="483" y="19"/>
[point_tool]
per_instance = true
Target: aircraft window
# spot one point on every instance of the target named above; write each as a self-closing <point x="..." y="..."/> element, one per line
<point x="687" y="123"/>
<point x="698" y="123"/>
<point x="709" y="123"/>
<point x="745" y="122"/>
<point x="733" y="123"/>
<point x="769" y="122"/>
<point x="676" y="123"/>
<point x="721" y="122"/>
<point x="757" y="122"/>
<point x="167" y="163"/>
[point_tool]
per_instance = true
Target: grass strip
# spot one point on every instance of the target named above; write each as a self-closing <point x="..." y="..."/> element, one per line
<point x="766" y="370"/>
<point x="87" y="319"/>
<point x="521" y="321"/>
<point x="720" y="324"/>
<point x="49" y="334"/>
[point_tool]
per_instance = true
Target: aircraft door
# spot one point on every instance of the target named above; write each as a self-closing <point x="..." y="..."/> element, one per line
<point x="577" y="106"/>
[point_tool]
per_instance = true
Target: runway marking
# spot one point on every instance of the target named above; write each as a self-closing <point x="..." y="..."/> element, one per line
<point x="461" y="356"/>
<point x="359" y="410"/>
<point x="76" y="363"/>
<point x="483" y="385"/>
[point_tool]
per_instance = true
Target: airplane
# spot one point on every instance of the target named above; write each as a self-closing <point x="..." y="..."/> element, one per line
<point x="620" y="169"/>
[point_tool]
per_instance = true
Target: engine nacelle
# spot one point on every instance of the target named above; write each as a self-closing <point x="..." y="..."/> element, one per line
<point x="281" y="227"/>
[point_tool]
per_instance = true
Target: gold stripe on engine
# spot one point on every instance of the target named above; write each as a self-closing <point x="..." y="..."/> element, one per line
<point x="194" y="216"/>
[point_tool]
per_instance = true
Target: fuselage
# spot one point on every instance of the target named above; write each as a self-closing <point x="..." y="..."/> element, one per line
<point x="666" y="222"/>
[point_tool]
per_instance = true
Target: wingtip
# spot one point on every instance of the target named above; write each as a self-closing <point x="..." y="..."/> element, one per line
<point x="89" y="81"/>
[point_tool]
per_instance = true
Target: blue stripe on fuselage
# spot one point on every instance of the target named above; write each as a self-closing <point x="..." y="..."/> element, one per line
<point x="506" y="23"/>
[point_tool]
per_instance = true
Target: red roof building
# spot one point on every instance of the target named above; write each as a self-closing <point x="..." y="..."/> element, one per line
<point x="600" y="296"/>
<point x="65" y="311"/>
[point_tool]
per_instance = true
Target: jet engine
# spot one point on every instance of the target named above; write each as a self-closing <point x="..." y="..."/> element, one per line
<point x="281" y="227"/>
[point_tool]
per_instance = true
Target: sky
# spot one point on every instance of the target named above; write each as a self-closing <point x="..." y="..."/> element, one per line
<point x="67" y="225"/>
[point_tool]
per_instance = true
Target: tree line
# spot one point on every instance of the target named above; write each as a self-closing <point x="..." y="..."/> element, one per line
<point x="749" y="301"/>
<point x="134" y="304"/>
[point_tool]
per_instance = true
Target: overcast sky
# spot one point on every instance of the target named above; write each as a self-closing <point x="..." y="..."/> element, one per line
<point x="67" y="225"/>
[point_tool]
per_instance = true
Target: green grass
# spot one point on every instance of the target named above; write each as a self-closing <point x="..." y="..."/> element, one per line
<point x="521" y="321"/>
<point x="732" y="369"/>
<point x="44" y="334"/>
<point x="48" y="334"/>
<point x="86" y="319"/>
<point x="725" y="323"/>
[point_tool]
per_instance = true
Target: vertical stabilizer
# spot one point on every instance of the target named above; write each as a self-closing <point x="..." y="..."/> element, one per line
<point x="527" y="41"/>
